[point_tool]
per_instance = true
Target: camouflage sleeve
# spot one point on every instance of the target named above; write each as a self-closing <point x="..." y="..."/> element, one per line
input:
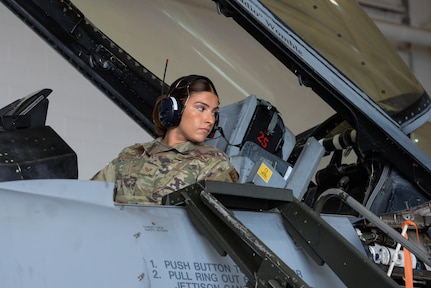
<point x="107" y="174"/>
<point x="229" y="175"/>
<point x="219" y="170"/>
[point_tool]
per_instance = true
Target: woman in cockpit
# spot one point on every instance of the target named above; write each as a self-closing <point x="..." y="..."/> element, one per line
<point x="183" y="119"/>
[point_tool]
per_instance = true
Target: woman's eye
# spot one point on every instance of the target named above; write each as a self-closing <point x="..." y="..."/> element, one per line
<point x="201" y="108"/>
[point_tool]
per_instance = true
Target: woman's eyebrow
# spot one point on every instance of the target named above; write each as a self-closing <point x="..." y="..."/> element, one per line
<point x="202" y="103"/>
<point x="206" y="105"/>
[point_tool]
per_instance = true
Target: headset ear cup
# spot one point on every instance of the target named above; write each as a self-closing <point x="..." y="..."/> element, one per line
<point x="170" y="110"/>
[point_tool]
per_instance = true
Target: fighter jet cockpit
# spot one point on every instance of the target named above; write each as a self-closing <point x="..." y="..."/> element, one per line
<point x="344" y="203"/>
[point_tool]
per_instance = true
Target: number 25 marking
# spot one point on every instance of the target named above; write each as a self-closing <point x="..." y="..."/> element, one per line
<point x="262" y="139"/>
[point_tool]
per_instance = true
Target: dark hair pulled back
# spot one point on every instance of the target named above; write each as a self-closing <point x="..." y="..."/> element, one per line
<point x="181" y="89"/>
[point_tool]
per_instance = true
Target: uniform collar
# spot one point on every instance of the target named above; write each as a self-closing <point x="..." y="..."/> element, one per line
<point x="157" y="146"/>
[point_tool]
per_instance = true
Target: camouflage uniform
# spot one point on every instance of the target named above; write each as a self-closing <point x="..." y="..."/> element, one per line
<point x="144" y="173"/>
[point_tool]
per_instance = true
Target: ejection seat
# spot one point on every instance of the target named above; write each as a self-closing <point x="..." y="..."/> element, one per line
<point x="253" y="135"/>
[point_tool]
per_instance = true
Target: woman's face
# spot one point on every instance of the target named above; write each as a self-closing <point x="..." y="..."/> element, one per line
<point x="197" y="119"/>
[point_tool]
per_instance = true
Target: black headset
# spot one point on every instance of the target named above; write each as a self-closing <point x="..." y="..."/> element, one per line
<point x="171" y="109"/>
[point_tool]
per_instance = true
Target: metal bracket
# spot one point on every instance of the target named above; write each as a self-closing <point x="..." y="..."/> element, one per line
<point x="229" y="236"/>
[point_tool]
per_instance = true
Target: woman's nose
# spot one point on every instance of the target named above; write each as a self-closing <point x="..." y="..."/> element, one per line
<point x="210" y="118"/>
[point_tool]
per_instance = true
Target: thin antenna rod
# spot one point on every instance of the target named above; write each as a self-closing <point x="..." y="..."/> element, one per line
<point x="164" y="74"/>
